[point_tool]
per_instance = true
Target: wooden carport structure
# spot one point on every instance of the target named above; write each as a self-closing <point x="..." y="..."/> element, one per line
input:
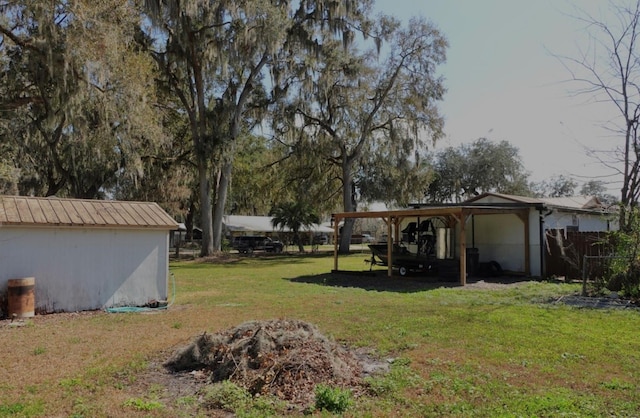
<point x="454" y="215"/>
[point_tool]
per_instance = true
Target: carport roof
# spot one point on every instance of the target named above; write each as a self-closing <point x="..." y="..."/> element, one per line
<point x="485" y="204"/>
<point x="458" y="212"/>
<point x="52" y="211"/>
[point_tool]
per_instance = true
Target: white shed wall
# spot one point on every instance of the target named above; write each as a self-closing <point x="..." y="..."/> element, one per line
<point x="500" y="237"/>
<point x="83" y="269"/>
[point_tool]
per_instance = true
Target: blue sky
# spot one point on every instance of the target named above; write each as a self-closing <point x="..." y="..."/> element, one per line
<point x="505" y="84"/>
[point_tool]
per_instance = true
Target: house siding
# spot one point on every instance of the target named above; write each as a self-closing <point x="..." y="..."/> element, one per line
<point x="583" y="222"/>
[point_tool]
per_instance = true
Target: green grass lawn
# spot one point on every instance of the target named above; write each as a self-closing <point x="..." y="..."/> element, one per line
<point x="456" y="351"/>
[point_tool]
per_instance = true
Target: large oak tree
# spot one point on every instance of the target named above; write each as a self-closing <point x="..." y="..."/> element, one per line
<point x="216" y="58"/>
<point x="372" y="106"/>
<point x="76" y="102"/>
<point x="483" y="166"/>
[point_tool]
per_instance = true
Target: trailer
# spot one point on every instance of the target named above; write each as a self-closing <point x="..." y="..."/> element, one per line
<point x="403" y="259"/>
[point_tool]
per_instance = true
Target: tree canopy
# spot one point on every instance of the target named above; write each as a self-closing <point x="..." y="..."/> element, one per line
<point x="232" y="107"/>
<point x="76" y="102"/>
<point x="217" y="60"/>
<point x="472" y="169"/>
<point x="371" y="114"/>
<point x="294" y="216"/>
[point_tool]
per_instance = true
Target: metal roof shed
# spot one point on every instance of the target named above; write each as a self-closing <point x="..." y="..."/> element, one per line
<point x="85" y="254"/>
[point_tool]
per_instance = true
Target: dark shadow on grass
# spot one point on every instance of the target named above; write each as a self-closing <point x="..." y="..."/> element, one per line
<point x="375" y="281"/>
<point x="379" y="281"/>
<point x="310" y="254"/>
<point x="264" y="262"/>
<point x="204" y="262"/>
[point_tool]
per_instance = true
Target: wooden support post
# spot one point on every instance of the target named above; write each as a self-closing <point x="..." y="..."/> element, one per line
<point x="527" y="250"/>
<point x="335" y="243"/>
<point x="463" y="250"/>
<point x="389" y="248"/>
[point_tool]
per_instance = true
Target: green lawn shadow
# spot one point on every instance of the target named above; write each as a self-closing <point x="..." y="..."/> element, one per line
<point x="378" y="281"/>
<point x="375" y="281"/>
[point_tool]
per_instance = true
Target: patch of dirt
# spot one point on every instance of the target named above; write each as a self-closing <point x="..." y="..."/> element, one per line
<point x="282" y="358"/>
<point x="496" y="284"/>
<point x="610" y="302"/>
<point x="47" y="318"/>
<point x="219" y="258"/>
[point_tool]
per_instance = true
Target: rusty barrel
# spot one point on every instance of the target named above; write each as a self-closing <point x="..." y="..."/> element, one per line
<point x="21" y="297"/>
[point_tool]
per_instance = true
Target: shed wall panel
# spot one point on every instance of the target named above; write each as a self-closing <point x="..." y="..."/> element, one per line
<point x="83" y="268"/>
<point x="499" y="238"/>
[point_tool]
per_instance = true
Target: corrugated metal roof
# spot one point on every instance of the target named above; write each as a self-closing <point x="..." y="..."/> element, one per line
<point x="52" y="211"/>
<point x="512" y="198"/>
<point x="572" y="202"/>
<point x="575" y="202"/>
<point x="240" y="223"/>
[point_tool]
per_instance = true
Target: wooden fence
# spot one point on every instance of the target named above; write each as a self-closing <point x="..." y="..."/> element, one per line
<point x="565" y="251"/>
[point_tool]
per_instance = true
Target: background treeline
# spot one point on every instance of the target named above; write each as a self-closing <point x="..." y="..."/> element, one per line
<point x="216" y="107"/>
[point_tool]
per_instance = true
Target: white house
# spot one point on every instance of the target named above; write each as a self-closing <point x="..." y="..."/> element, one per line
<point x="85" y="254"/>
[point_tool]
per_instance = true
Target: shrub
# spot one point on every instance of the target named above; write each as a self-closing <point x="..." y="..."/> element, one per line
<point x="332" y="399"/>
<point x="143" y="405"/>
<point x="624" y="271"/>
<point x="227" y="396"/>
<point x="230" y="397"/>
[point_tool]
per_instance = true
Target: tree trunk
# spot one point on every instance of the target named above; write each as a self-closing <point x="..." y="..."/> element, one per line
<point x="221" y="200"/>
<point x="297" y="238"/>
<point x="349" y="203"/>
<point x="205" y="208"/>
